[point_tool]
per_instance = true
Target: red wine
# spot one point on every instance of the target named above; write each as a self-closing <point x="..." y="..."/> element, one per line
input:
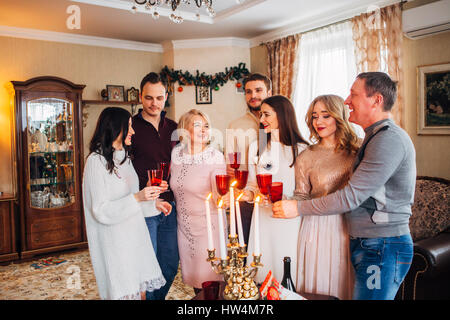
<point x="156" y="177"/>
<point x="156" y="182"/>
<point x="264" y="181"/>
<point x="287" y="280"/>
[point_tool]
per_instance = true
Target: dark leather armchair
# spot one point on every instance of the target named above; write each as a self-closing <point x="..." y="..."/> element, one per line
<point x="429" y="275"/>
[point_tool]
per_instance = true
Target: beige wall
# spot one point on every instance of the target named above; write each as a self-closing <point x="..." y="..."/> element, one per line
<point x="21" y="59"/>
<point x="433" y="152"/>
<point x="227" y="104"/>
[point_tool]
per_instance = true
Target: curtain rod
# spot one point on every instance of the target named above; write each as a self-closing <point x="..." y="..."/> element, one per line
<point x="326" y="26"/>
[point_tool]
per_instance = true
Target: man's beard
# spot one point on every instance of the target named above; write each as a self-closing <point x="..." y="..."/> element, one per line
<point x="258" y="108"/>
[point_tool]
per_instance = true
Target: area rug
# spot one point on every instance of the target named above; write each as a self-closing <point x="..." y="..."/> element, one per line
<point x="66" y="276"/>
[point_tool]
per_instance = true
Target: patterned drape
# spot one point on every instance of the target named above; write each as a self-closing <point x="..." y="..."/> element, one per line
<point x="282" y="68"/>
<point x="378" y="47"/>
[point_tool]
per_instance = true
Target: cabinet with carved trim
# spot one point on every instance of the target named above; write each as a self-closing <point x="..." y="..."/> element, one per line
<point x="50" y="163"/>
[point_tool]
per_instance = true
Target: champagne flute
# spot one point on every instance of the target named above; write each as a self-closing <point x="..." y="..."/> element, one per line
<point x="235" y="160"/>
<point x="165" y="168"/>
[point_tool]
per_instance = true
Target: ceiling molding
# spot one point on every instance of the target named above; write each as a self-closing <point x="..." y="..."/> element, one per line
<point x="317" y="21"/>
<point x="238" y="9"/>
<point x="211" y="42"/>
<point x="35" y="34"/>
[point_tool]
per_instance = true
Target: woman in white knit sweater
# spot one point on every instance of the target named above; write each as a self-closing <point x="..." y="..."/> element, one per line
<point x="122" y="255"/>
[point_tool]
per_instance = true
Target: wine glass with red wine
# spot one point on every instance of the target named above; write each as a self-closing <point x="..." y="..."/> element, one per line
<point x="155" y="177"/>
<point x="264" y="181"/>
<point x="222" y="184"/>
<point x="241" y="178"/>
<point x="276" y="191"/>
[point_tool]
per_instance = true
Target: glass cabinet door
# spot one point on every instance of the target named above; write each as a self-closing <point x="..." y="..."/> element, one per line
<point x="50" y="152"/>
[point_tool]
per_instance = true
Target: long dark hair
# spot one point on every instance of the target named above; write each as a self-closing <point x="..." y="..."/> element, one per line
<point x="111" y="122"/>
<point x="287" y="125"/>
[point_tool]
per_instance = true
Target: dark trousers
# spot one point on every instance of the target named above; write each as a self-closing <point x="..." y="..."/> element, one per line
<point x="163" y="232"/>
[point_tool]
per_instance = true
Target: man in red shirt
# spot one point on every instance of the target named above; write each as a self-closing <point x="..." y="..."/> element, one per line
<point x="152" y="144"/>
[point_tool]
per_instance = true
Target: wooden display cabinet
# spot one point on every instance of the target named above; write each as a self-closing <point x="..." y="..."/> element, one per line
<point x="50" y="163"/>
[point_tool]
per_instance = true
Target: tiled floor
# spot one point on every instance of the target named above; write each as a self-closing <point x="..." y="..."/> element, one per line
<point x="70" y="280"/>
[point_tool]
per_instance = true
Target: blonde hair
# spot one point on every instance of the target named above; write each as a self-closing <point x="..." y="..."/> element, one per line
<point x="345" y="135"/>
<point x="185" y="122"/>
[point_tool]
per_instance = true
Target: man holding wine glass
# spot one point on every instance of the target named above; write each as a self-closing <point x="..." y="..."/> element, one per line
<point x="151" y="150"/>
<point x="242" y="132"/>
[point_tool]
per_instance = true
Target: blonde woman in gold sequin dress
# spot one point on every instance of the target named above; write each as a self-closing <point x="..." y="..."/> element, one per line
<point x="323" y="262"/>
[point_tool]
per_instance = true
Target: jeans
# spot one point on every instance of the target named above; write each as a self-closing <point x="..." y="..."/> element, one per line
<point x="380" y="266"/>
<point x="163" y="233"/>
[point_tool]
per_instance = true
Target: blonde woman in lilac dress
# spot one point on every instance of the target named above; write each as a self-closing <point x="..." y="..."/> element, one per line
<point x="323" y="264"/>
<point x="193" y="168"/>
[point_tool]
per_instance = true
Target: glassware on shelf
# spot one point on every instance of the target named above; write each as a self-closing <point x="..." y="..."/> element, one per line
<point x="50" y="158"/>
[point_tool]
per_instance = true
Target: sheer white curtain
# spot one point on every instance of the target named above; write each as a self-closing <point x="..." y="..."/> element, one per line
<point x="326" y="66"/>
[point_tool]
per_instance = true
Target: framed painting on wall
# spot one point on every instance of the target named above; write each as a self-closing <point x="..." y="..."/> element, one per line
<point x="203" y="95"/>
<point x="115" y="93"/>
<point x="433" y="114"/>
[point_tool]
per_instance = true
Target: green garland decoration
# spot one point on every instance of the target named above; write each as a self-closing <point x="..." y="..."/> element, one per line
<point x="202" y="79"/>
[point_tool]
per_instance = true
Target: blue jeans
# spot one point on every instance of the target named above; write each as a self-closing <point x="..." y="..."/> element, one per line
<point x="163" y="233"/>
<point x="380" y="266"/>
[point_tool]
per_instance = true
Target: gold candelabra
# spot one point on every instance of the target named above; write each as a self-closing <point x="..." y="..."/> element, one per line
<point x="239" y="278"/>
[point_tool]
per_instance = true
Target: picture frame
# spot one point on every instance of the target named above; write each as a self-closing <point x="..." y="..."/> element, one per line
<point x="203" y="95"/>
<point x="433" y="107"/>
<point x="133" y="95"/>
<point x="115" y="93"/>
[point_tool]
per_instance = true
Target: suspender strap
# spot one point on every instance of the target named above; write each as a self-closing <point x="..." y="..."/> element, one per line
<point x="370" y="204"/>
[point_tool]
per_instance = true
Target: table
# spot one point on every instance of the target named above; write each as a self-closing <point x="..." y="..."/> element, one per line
<point x="309" y="296"/>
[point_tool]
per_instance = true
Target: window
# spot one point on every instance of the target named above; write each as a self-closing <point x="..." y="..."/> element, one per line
<point x="326" y="66"/>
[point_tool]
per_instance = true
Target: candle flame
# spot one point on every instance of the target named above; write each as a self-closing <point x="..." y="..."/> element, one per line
<point x="209" y="196"/>
<point x="239" y="196"/>
<point x="233" y="183"/>
<point x="257" y="199"/>
<point x="220" y="203"/>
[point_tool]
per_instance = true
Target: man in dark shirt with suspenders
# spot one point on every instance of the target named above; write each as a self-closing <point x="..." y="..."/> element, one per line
<point x="377" y="200"/>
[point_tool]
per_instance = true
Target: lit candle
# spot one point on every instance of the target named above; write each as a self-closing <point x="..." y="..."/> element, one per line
<point x="239" y="221"/>
<point x="223" y="252"/>
<point x="232" y="211"/>
<point x="256" y="213"/>
<point x="208" y="223"/>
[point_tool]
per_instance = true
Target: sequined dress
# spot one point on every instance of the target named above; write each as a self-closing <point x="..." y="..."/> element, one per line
<point x="323" y="261"/>
<point x="192" y="179"/>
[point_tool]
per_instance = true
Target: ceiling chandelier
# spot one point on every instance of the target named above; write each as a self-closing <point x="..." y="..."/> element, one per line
<point x="153" y="6"/>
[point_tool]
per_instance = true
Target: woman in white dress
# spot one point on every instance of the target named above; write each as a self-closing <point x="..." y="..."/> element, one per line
<point x="275" y="153"/>
<point x="122" y="256"/>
